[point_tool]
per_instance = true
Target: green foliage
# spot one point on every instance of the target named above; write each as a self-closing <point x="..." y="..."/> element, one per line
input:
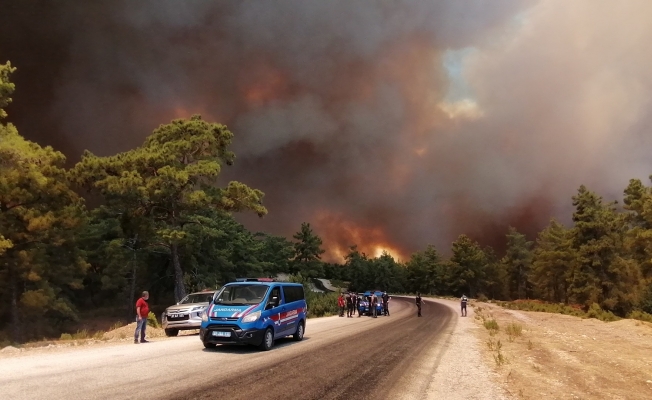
<point x="41" y="267"/>
<point x="553" y="262"/>
<point x="6" y="87"/>
<point x="517" y="262"/>
<point x="596" y="312"/>
<point x="164" y="186"/>
<point x="640" y="315"/>
<point x="556" y="308"/>
<point x="645" y="302"/>
<point x="491" y="325"/>
<point x="468" y="264"/>
<point x="152" y="321"/>
<point x="513" y="330"/>
<point x="603" y="273"/>
<point x="307" y="253"/>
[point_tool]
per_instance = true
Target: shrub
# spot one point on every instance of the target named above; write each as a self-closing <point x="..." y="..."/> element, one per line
<point x="514" y="329"/>
<point x="65" y="336"/>
<point x="640" y="315"/>
<point x="500" y="359"/>
<point x="152" y="321"/>
<point x="83" y="334"/>
<point x="491" y="324"/>
<point x="596" y="312"/>
<point x="482" y="297"/>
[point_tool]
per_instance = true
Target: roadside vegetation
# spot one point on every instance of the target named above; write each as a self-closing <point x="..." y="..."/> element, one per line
<point x="163" y="221"/>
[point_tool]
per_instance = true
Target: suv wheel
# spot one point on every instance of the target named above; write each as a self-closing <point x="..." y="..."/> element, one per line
<point x="298" y="335"/>
<point x="268" y="340"/>
<point x="171" y="332"/>
<point x="209" y="345"/>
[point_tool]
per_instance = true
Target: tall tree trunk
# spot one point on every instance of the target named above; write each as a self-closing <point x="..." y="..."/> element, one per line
<point x="179" y="287"/>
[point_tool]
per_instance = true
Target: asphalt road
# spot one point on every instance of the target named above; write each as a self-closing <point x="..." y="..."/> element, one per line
<point x="338" y="358"/>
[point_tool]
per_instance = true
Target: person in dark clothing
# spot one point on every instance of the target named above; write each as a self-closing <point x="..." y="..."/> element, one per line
<point x="418" y="302"/>
<point x="349" y="305"/>
<point x="463" y="302"/>
<point x="358" y="301"/>
<point x="386" y="304"/>
<point x="374" y="302"/>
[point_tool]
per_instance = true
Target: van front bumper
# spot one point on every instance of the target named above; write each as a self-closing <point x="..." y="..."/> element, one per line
<point x="235" y="335"/>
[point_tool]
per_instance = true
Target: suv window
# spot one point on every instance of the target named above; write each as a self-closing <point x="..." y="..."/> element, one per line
<point x="198" y="298"/>
<point x="293" y="293"/>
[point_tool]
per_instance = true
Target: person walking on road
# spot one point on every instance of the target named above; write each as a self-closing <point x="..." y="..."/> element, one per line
<point x="142" y="311"/>
<point x="418" y="302"/>
<point x="386" y="304"/>
<point x="340" y="304"/>
<point x="463" y="302"/>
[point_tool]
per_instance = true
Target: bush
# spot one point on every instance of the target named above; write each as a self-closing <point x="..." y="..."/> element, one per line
<point x="640" y="315"/>
<point x="645" y="303"/>
<point x="514" y="329"/>
<point x="482" y="297"/>
<point x="595" y="311"/>
<point x="491" y="325"/>
<point x="65" y="336"/>
<point x="152" y="321"/>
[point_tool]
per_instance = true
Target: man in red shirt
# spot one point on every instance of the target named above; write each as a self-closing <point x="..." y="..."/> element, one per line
<point x="142" y="311"/>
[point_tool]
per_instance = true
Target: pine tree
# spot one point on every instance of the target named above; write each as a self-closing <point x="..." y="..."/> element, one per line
<point x="602" y="274"/>
<point x="307" y="253"/>
<point x="553" y="263"/>
<point x="517" y="262"/>
<point x="168" y="182"/>
<point x="468" y="266"/>
<point x="40" y="265"/>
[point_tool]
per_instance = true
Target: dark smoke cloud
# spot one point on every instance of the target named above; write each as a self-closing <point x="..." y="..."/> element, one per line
<point x="346" y="114"/>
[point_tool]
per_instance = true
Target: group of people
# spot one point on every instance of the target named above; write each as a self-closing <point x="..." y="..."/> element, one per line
<point x="463" y="302"/>
<point x="351" y="303"/>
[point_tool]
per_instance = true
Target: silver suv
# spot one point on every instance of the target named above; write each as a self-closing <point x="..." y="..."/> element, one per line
<point x="186" y="314"/>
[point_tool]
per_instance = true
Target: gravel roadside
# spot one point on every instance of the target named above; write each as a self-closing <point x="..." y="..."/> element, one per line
<point x="455" y="365"/>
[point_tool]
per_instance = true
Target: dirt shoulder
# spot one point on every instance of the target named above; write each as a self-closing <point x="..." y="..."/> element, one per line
<point x="453" y="367"/>
<point x="563" y="357"/>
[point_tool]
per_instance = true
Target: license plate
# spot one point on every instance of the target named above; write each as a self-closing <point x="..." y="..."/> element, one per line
<point x="221" y="334"/>
<point x="176" y="315"/>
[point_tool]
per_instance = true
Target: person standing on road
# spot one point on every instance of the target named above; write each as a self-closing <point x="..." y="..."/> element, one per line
<point x="340" y="304"/>
<point x="418" y="302"/>
<point x="142" y="311"/>
<point x="463" y="302"/>
<point x="349" y="305"/>
<point x="374" y="302"/>
<point x="386" y="304"/>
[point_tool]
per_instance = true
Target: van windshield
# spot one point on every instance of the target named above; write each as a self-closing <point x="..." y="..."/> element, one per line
<point x="241" y="295"/>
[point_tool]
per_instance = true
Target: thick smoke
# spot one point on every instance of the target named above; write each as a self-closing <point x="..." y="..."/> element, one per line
<point x="388" y="124"/>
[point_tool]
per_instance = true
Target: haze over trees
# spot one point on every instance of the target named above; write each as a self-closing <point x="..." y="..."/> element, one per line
<point x="165" y="224"/>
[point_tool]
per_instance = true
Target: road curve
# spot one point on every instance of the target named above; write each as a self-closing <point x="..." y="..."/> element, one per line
<point x="339" y="357"/>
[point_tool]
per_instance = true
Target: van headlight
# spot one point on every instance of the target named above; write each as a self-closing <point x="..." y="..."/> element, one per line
<point x="253" y="317"/>
<point x="204" y="315"/>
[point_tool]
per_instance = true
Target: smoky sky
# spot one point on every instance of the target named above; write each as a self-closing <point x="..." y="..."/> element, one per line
<point x="390" y="124"/>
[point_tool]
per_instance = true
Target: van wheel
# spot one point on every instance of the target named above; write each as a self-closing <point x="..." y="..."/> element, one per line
<point x="171" y="332"/>
<point x="268" y="340"/>
<point x="209" y="345"/>
<point x="298" y="335"/>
